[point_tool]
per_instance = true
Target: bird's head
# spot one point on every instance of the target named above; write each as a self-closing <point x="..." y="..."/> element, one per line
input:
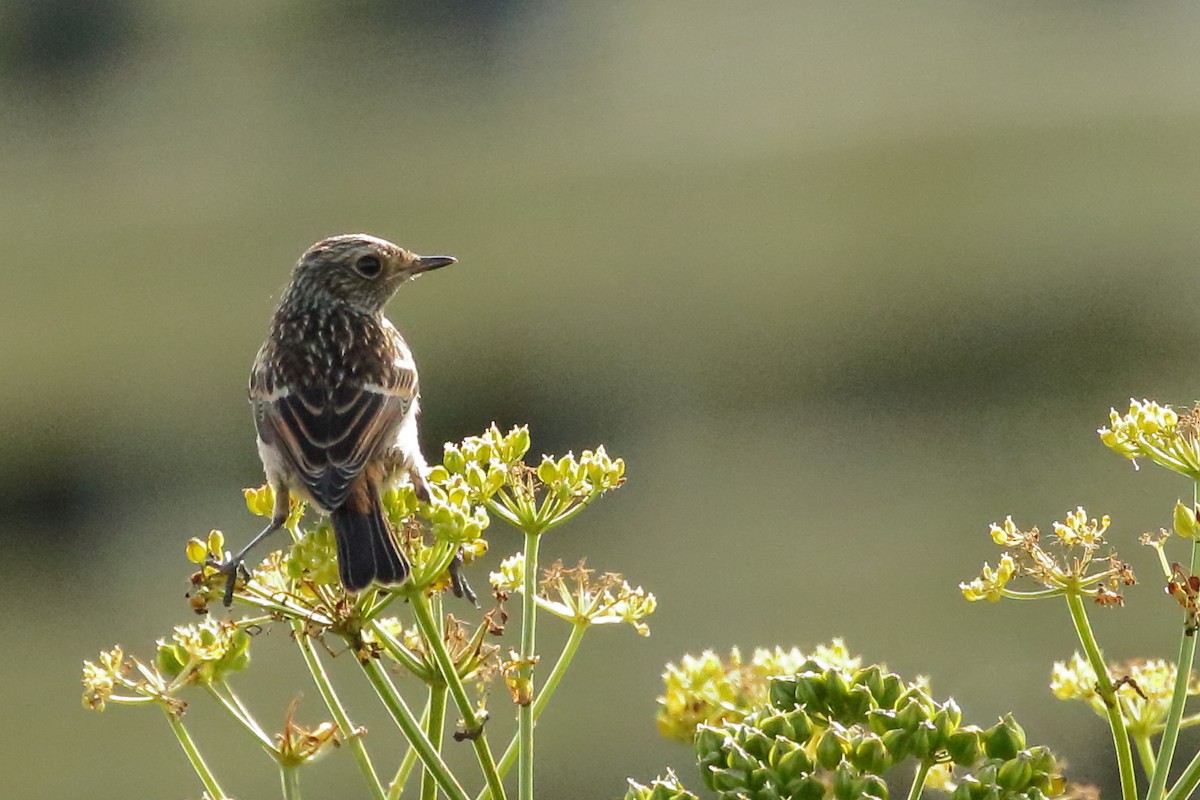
<point x="360" y="270"/>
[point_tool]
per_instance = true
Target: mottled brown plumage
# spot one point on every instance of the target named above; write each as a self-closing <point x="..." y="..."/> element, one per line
<point x="335" y="397"/>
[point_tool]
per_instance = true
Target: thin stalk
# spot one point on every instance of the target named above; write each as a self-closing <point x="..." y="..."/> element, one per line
<point x="1187" y="781"/>
<point x="239" y="713"/>
<point x="396" y="788"/>
<point x="1040" y="594"/>
<point x="1107" y="694"/>
<point x="289" y="777"/>
<point x="325" y="687"/>
<point x="193" y="755"/>
<point x="1145" y="750"/>
<point x="1187" y="651"/>
<point x="435" y="723"/>
<point x="528" y="643"/>
<point x="398" y="651"/>
<point x="919" y="780"/>
<point x="412" y="730"/>
<point x="437" y="646"/>
<point x="543" y="698"/>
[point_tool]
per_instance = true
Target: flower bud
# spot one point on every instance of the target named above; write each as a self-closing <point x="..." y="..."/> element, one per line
<point x="1016" y="773"/>
<point x="1004" y="739"/>
<point x="845" y="783"/>
<point x="807" y="788"/>
<point x="870" y="755"/>
<point x="781" y="692"/>
<point x="794" y="764"/>
<point x="964" y="746"/>
<point x="1184" y="520"/>
<point x="830" y="749"/>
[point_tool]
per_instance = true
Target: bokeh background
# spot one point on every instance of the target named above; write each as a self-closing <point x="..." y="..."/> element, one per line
<point x="843" y="282"/>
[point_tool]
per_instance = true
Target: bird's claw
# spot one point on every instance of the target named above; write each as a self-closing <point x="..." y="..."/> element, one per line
<point x="232" y="568"/>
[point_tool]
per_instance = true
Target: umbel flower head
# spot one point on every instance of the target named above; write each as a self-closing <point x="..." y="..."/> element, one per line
<point x="1144" y="689"/>
<point x="1157" y="433"/>
<point x="573" y="595"/>
<point x="1071" y="563"/>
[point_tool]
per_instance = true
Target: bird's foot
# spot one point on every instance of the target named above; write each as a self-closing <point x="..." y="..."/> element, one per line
<point x="232" y="568"/>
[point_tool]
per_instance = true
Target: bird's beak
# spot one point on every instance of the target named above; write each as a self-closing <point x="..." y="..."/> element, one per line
<point x="427" y="263"/>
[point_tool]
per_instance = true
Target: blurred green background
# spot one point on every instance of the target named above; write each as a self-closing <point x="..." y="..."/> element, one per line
<point x="843" y="282"/>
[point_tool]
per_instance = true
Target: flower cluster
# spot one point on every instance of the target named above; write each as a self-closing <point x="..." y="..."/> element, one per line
<point x="1158" y="433"/>
<point x="573" y="595"/>
<point x="204" y="653"/>
<point x="1070" y="564"/>
<point x="838" y="730"/>
<point x="709" y="690"/>
<point x="1143" y="688"/>
<point x="114" y="670"/>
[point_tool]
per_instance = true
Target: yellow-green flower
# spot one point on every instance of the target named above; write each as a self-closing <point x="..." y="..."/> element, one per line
<point x="1158" y="433"/>
<point x="990" y="583"/>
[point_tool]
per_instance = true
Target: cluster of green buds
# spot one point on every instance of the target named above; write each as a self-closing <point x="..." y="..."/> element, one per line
<point x="1071" y="564"/>
<point x="709" y="690"/>
<point x="573" y="594"/>
<point x="1144" y="689"/>
<point x="836" y="731"/>
<point x="1158" y="433"/>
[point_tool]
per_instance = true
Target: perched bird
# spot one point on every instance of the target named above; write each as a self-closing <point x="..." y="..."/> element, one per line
<point x="334" y="393"/>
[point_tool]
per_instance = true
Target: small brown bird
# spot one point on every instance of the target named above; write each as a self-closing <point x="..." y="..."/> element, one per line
<point x="335" y="398"/>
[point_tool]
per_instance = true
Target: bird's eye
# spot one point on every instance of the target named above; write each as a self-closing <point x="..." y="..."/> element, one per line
<point x="368" y="266"/>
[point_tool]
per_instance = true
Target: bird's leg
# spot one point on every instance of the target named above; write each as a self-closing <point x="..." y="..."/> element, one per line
<point x="458" y="583"/>
<point x="233" y="567"/>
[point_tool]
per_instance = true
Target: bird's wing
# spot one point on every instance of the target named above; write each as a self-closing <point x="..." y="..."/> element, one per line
<point x="328" y="433"/>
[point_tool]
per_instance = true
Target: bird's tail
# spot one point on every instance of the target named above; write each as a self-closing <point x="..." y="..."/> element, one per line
<point x="367" y="549"/>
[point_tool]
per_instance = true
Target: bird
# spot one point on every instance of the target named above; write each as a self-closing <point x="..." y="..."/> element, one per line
<point x="335" y="398"/>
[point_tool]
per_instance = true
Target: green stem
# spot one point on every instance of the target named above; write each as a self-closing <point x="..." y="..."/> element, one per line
<point x="238" y="711"/>
<point x="193" y="755"/>
<point x="1170" y="737"/>
<point x="471" y="721"/>
<point x="543" y="699"/>
<point x="1107" y="694"/>
<point x="1040" y="594"/>
<point x="396" y="788"/>
<point x="1145" y="754"/>
<point x="919" y="780"/>
<point x="412" y="730"/>
<point x="435" y="723"/>
<point x="289" y="776"/>
<point x="402" y="654"/>
<point x="1187" y="781"/>
<point x="325" y="687"/>
<point x="525" y="671"/>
